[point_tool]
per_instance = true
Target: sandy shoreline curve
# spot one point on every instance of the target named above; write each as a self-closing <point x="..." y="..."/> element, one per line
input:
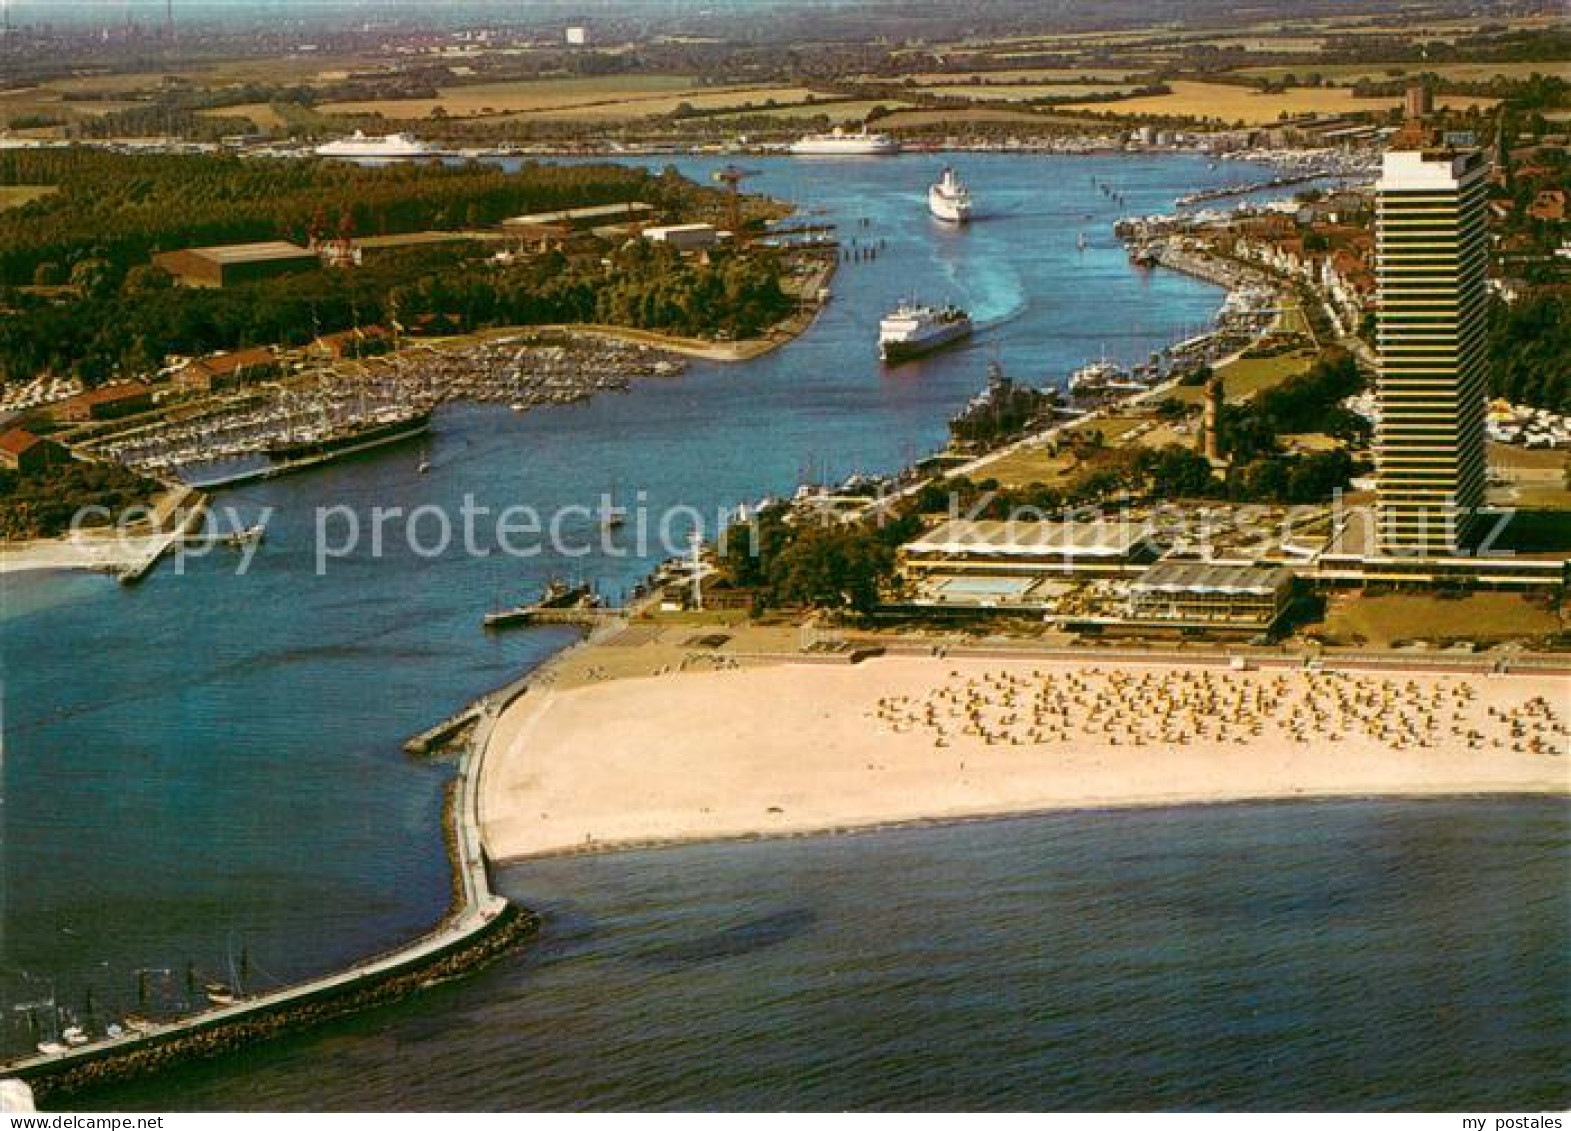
<point x="794" y="749"/>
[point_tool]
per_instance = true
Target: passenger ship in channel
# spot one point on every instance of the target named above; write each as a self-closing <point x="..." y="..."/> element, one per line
<point x="911" y="330"/>
<point x="844" y="143"/>
<point x="950" y="199"/>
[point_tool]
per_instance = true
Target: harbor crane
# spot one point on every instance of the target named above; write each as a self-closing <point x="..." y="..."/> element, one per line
<point x="732" y="177"/>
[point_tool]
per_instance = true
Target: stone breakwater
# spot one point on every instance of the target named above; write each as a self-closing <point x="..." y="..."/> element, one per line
<point x="203" y="1039"/>
<point x="478" y="927"/>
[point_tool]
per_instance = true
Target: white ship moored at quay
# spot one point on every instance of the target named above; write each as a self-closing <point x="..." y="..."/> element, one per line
<point x="842" y="143"/>
<point x="386" y="148"/>
<point x="911" y="330"/>
<point x="950" y="199"/>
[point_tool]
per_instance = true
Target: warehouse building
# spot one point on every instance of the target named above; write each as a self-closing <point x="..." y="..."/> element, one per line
<point x="229" y="264"/>
<point x="554" y="225"/>
<point x="219" y="372"/>
<point x="23" y="452"/>
<point x="107" y="403"/>
<point x="684" y="237"/>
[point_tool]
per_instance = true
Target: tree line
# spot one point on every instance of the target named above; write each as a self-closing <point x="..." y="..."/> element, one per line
<point x="123" y="208"/>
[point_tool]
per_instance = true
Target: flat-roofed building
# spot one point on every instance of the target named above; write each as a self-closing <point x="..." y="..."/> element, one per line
<point x="684" y="237"/>
<point x="1431" y="265"/>
<point x="228" y="264"/>
<point x="1109" y="548"/>
<point x="1211" y="594"/>
<point x="552" y="224"/>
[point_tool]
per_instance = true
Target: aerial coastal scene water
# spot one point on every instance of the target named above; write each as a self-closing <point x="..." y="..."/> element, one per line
<point x="1187" y="791"/>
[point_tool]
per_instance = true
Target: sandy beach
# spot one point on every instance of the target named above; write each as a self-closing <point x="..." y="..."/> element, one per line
<point x="790" y="748"/>
<point x="107" y="549"/>
<point x="107" y="554"/>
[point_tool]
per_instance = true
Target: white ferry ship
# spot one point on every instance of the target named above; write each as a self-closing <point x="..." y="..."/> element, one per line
<point x="950" y="199"/>
<point x="843" y="143"/>
<point x="386" y="148"/>
<point x="911" y="330"/>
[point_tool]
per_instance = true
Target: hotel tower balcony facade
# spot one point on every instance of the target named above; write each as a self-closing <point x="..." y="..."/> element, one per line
<point x="1431" y="265"/>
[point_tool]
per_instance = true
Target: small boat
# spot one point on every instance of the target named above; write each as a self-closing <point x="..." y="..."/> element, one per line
<point x="1080" y="242"/>
<point x="613" y="517"/>
<point x="51" y="1048"/>
<point x="74" y="1036"/>
<point x="424" y="467"/>
<point x="249" y="536"/>
<point x="519" y="407"/>
<point x="219" y="994"/>
<point x="114" y="1031"/>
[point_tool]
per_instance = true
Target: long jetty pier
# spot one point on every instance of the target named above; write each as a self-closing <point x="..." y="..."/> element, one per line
<point x="479" y="926"/>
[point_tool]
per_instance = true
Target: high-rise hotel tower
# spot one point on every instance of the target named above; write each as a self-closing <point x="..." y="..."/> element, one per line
<point x="1431" y="259"/>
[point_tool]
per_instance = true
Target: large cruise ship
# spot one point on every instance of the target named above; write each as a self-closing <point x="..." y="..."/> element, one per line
<point x="949" y="199"/>
<point x="386" y="148"/>
<point x="842" y="143"/>
<point x="911" y="330"/>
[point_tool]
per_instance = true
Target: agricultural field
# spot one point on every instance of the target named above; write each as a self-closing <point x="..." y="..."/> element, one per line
<point x="1025" y="75"/>
<point x="604" y="98"/>
<point x="966" y="116"/>
<point x="47" y="102"/>
<point x="1346" y="74"/>
<point x="1229" y="104"/>
<point x="838" y="113"/>
<point x="262" y="114"/>
<point x="308" y="69"/>
<point x="14" y="196"/>
<point x="1002" y="92"/>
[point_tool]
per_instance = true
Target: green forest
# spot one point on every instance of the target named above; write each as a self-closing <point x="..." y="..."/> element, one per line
<point x="1530" y="351"/>
<point x="122" y="208"/>
<point x="42" y="504"/>
<point x="128" y="328"/>
<point x="126" y="315"/>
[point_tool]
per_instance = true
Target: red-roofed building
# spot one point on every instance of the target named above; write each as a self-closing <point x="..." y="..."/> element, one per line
<point x="22" y="451"/>
<point x="105" y="403"/>
<point x="363" y="341"/>
<point x="221" y="371"/>
<point x="1549" y="205"/>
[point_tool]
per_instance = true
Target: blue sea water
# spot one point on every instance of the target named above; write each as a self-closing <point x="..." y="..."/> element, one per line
<point x="208" y="764"/>
<point x="1309" y="956"/>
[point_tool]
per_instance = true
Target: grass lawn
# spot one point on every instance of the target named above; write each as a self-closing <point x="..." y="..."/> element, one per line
<point x="1538" y="459"/>
<point x="1029" y="465"/>
<point x="1386" y="619"/>
<point x="1245" y="377"/>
